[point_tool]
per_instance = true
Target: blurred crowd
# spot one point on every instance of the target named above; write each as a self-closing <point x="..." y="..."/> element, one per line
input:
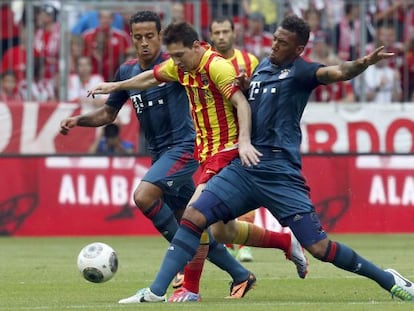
<point x="99" y="42"/>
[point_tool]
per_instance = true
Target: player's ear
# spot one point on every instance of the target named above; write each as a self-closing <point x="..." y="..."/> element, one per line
<point x="196" y="44"/>
<point x="299" y="49"/>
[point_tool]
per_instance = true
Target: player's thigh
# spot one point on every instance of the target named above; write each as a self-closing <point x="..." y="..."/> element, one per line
<point x="173" y="174"/>
<point x="281" y="189"/>
<point x="235" y="191"/>
<point x="173" y="169"/>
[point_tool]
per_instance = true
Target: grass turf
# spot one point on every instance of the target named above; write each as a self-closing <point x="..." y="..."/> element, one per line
<point x="41" y="274"/>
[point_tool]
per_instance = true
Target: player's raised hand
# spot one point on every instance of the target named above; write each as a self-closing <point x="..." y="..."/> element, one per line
<point x="67" y="124"/>
<point x="102" y="88"/>
<point x="377" y="55"/>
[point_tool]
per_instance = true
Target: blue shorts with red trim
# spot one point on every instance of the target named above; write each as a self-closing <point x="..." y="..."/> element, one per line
<point x="277" y="184"/>
<point x="173" y="173"/>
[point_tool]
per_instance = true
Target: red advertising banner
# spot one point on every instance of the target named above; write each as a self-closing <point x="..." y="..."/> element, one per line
<point x="71" y="196"/>
<point x="93" y="195"/>
<point x="33" y="128"/>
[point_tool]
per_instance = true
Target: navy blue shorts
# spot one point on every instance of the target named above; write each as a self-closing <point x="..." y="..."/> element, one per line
<point x="276" y="184"/>
<point x="173" y="173"/>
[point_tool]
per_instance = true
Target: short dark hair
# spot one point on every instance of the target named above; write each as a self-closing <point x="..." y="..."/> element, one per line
<point x="297" y="25"/>
<point x="111" y="130"/>
<point x="146" y="16"/>
<point x="180" y="32"/>
<point x="220" y="20"/>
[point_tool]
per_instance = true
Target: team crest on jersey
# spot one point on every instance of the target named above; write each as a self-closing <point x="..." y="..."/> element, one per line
<point x="204" y="79"/>
<point x="284" y="73"/>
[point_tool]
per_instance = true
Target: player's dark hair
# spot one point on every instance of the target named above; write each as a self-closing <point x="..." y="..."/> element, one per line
<point x="145" y="16"/>
<point x="180" y="32"/>
<point x="297" y="25"/>
<point x="220" y="20"/>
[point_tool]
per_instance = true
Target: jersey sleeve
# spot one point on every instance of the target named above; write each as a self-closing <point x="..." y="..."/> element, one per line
<point x="167" y="71"/>
<point x="223" y="74"/>
<point x="118" y="99"/>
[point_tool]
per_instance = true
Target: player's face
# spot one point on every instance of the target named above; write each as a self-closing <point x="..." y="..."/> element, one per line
<point x="222" y="36"/>
<point x="285" y="47"/>
<point x="187" y="59"/>
<point x="147" y="41"/>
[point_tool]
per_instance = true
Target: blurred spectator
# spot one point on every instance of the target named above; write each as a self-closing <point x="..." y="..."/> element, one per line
<point x="47" y="39"/>
<point x="76" y="51"/>
<point x="322" y="51"/>
<point x="335" y="92"/>
<point x="387" y="36"/>
<point x="299" y="7"/>
<point x="348" y="33"/>
<point x="91" y="20"/>
<point x="8" y="87"/>
<point x="267" y="8"/>
<point x="382" y="83"/>
<point x="204" y="19"/>
<point x="15" y="57"/>
<point x="408" y="78"/>
<point x="41" y="89"/>
<point x="313" y="18"/>
<point x="111" y="143"/>
<point x="177" y="12"/>
<point x="239" y="32"/>
<point x="130" y="54"/>
<point x="227" y="8"/>
<point x="80" y="82"/>
<point x="9" y="31"/>
<point x="333" y="13"/>
<point x="391" y="10"/>
<point x="408" y="21"/>
<point x="340" y="92"/>
<point x="256" y="40"/>
<point x="106" y="46"/>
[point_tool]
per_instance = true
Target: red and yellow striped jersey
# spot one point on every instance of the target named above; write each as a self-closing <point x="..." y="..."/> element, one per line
<point x="209" y="89"/>
<point x="244" y="62"/>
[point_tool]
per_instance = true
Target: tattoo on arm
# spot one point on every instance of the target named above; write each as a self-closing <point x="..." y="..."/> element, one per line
<point x="325" y="77"/>
<point x="351" y="69"/>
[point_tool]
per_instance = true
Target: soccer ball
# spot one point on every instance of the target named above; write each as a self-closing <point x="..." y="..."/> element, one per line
<point x="97" y="262"/>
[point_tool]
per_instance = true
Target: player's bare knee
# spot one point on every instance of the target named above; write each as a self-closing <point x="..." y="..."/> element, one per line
<point x="195" y="216"/>
<point x="145" y="195"/>
<point x="140" y="201"/>
<point x="319" y="249"/>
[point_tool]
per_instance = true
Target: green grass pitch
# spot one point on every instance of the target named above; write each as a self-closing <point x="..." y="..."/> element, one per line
<point x="41" y="274"/>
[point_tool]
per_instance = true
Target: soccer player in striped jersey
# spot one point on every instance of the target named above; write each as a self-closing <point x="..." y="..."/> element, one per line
<point x="222" y="36"/>
<point x="222" y="119"/>
<point x="164" y="115"/>
<point x="278" y="92"/>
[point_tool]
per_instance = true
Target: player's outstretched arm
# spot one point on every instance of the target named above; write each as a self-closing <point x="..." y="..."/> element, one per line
<point x="101" y="116"/>
<point x="142" y="81"/>
<point x="351" y="69"/>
